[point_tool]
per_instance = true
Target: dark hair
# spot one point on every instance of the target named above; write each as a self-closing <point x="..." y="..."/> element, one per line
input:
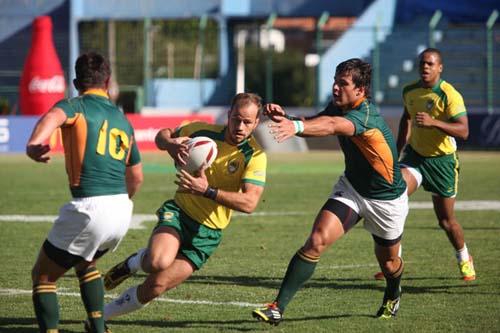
<point x="245" y="99"/>
<point x="360" y="71"/>
<point x="92" y="71"/>
<point x="431" y="50"/>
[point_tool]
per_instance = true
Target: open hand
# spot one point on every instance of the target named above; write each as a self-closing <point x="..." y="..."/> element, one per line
<point x="282" y="130"/>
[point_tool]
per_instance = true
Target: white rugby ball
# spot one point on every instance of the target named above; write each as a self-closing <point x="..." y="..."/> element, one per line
<point x="201" y="150"/>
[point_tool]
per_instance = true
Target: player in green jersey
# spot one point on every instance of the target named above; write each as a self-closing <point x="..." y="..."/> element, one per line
<point x="104" y="171"/>
<point x="190" y="226"/>
<point x="371" y="187"/>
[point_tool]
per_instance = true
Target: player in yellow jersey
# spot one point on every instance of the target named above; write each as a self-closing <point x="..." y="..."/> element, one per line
<point x="434" y="115"/>
<point x="190" y="226"/>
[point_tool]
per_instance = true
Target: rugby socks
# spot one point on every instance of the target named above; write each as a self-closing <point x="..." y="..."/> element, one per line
<point x="393" y="282"/>
<point x="92" y="292"/>
<point x="134" y="263"/>
<point x="462" y="254"/>
<point x="46" y="307"/>
<point x="300" y="269"/>
<point x="124" y="304"/>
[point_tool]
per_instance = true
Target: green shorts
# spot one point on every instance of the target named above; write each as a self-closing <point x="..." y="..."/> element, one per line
<point x="439" y="174"/>
<point x="198" y="242"/>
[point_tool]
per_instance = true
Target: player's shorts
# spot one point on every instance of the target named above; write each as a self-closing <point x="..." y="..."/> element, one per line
<point x="382" y="218"/>
<point x="198" y="241"/>
<point x="439" y="174"/>
<point x="88" y="225"/>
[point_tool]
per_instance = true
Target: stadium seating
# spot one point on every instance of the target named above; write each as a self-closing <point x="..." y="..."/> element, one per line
<point x="464" y="52"/>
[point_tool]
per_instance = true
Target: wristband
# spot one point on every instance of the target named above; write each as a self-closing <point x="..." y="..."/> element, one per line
<point x="291" y="117"/>
<point x="211" y="193"/>
<point x="299" y="126"/>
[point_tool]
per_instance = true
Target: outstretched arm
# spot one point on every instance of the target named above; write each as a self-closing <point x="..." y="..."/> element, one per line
<point x="36" y="148"/>
<point x="314" y="127"/>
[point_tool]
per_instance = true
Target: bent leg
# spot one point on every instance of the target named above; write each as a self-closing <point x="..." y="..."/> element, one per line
<point x="392" y="266"/>
<point x="92" y="293"/>
<point x="444" y="209"/>
<point x="159" y="282"/>
<point x="137" y="297"/>
<point x="162" y="249"/>
<point x="45" y="274"/>
<point x="412" y="182"/>
<point x="326" y="230"/>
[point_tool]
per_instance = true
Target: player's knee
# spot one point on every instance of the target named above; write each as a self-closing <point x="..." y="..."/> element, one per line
<point x="446" y="223"/>
<point x="393" y="268"/>
<point x="158" y="263"/>
<point x="315" y="245"/>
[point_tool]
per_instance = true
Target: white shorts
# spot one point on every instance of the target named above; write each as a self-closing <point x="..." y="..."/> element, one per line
<point x="382" y="218"/>
<point x="86" y="225"/>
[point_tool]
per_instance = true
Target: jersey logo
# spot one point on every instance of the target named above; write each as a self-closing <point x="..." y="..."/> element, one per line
<point x="232" y="166"/>
<point x="429" y="105"/>
<point x="167" y="216"/>
<point x="338" y="193"/>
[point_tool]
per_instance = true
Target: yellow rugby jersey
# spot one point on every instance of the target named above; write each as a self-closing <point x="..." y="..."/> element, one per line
<point x="441" y="102"/>
<point x="234" y="165"/>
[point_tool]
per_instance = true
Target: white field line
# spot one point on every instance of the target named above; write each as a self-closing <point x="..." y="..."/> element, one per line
<point x="139" y="219"/>
<point x="16" y="292"/>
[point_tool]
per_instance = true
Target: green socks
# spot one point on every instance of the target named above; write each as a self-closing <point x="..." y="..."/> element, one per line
<point x="46" y="307"/>
<point x="92" y="292"/>
<point x="300" y="269"/>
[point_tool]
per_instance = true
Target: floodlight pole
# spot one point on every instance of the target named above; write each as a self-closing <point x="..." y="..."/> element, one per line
<point x="432" y="26"/>
<point x="489" y="58"/>
<point x="203" y="26"/>
<point x="269" y="59"/>
<point x="319" y="46"/>
<point x="146" y="61"/>
<point x="376" y="62"/>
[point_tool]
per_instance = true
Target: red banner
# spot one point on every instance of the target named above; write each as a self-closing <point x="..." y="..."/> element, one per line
<point x="145" y="128"/>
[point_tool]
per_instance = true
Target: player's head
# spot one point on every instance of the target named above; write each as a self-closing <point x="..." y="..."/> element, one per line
<point x="430" y="66"/>
<point x="243" y="117"/>
<point x="92" y="71"/>
<point x="352" y="82"/>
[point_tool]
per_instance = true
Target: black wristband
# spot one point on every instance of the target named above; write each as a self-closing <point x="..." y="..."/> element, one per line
<point x="287" y="116"/>
<point x="211" y="193"/>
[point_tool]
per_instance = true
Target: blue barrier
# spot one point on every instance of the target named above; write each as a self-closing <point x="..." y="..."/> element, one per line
<point x="484" y="132"/>
<point x="15" y="132"/>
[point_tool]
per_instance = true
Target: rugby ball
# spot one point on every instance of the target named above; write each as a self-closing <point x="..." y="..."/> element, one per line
<point x="201" y="150"/>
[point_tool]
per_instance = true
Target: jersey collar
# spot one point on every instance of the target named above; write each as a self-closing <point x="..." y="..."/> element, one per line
<point x="97" y="91"/>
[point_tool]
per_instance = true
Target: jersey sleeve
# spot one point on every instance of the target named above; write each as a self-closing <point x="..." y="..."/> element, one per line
<point x="255" y="172"/>
<point x="188" y="129"/>
<point x="456" y="105"/>
<point x="69" y="109"/>
<point x="359" y="119"/>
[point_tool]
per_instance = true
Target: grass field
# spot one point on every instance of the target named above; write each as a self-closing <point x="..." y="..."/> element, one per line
<point x="247" y="268"/>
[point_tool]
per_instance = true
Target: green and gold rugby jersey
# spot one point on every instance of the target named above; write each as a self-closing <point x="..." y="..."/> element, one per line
<point x="234" y="165"/>
<point x="371" y="159"/>
<point x="98" y="145"/>
<point x="441" y="102"/>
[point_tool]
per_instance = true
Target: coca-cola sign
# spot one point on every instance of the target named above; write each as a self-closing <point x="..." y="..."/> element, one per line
<point x="51" y="85"/>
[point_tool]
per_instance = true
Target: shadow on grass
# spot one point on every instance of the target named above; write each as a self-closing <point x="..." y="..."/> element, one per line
<point x="221" y="325"/>
<point x="29" y="325"/>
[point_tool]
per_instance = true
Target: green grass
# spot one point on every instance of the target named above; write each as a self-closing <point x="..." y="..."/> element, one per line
<point x="254" y="254"/>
